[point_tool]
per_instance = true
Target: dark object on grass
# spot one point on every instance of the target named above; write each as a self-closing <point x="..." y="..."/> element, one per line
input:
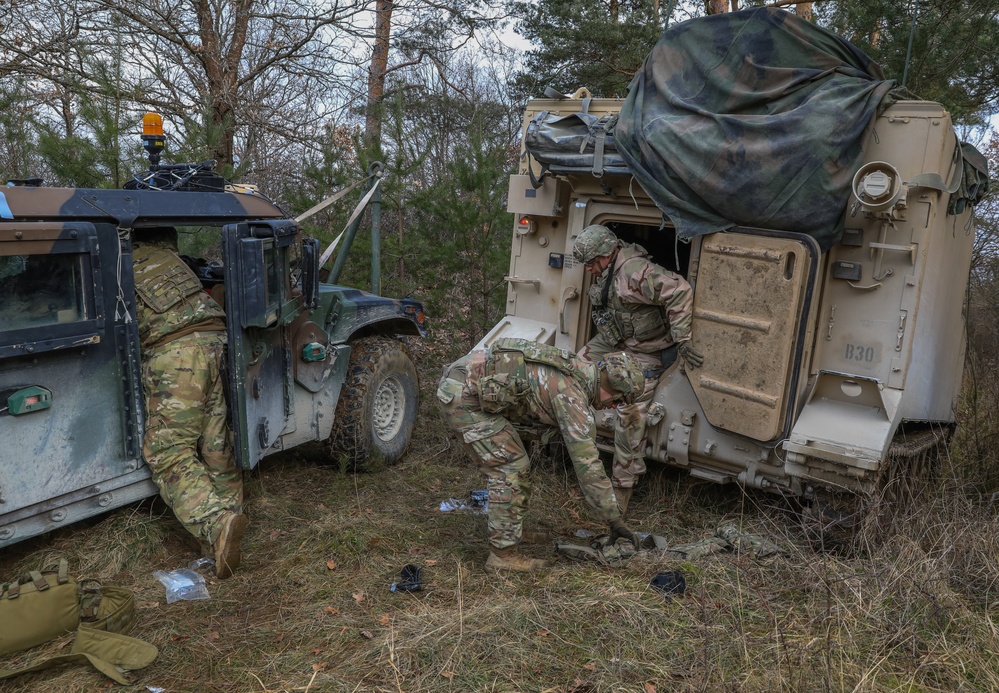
<point x="410" y="580"/>
<point x="669" y="583"/>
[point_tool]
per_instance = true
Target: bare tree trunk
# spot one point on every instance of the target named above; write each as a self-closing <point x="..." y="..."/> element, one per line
<point x="400" y="215"/>
<point x="378" y="69"/>
<point x="222" y="74"/>
<point x="717" y="6"/>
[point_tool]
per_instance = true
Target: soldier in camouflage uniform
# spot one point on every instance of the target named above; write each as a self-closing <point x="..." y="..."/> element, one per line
<point x="522" y="382"/>
<point x="183" y="338"/>
<point x="644" y="310"/>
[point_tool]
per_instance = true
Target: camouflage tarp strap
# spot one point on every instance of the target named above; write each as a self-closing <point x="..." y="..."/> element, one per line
<point x="601" y="550"/>
<point x="46" y="604"/>
<point x="727" y="537"/>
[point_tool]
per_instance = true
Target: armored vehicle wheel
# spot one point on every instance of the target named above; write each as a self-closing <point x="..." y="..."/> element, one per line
<point x="376" y="413"/>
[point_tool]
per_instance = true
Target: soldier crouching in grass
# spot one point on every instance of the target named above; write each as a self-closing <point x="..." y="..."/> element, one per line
<point x="519" y="381"/>
<point x="183" y="336"/>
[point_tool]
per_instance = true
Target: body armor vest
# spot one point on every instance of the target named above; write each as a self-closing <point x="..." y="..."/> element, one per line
<point x="506" y="383"/>
<point x="617" y="321"/>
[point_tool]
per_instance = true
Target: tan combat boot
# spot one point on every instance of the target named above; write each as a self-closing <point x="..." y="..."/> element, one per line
<point x="226" y="546"/>
<point x="510" y="559"/>
<point x="623" y="496"/>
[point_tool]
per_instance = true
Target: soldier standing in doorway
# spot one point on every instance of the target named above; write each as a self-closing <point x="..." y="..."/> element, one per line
<point x="645" y="311"/>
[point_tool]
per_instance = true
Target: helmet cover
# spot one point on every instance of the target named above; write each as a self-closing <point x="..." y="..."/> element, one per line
<point x="596" y="240"/>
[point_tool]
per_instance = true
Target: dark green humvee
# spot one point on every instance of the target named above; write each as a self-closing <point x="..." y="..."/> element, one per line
<point x="307" y="361"/>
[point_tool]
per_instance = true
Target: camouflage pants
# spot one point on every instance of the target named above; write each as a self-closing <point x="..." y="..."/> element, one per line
<point x="186" y="444"/>
<point x="630" y="423"/>
<point x="491" y="441"/>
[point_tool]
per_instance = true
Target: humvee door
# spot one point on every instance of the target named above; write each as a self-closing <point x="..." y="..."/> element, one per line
<point x="260" y="309"/>
<point x="751" y="299"/>
<point x="70" y="387"/>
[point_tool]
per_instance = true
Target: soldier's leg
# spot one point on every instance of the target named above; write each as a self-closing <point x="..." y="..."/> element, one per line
<point x="598" y="347"/>
<point x="216" y="448"/>
<point x="629" y="437"/>
<point x="491" y="441"/>
<point x="174" y="384"/>
<point x="505" y="463"/>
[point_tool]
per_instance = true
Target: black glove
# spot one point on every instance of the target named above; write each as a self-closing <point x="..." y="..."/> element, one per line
<point x="691" y="356"/>
<point x="619" y="530"/>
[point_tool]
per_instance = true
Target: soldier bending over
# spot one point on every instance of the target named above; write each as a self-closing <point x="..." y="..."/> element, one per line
<point x="518" y="381"/>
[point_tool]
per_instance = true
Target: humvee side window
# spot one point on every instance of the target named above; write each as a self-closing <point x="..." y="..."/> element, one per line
<point x="41" y="290"/>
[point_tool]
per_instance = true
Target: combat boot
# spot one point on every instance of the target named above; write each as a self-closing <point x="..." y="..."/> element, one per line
<point x="226" y="546"/>
<point x="623" y="496"/>
<point x="510" y="559"/>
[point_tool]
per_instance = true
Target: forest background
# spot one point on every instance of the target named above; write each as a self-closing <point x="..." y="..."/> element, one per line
<point x="299" y="97"/>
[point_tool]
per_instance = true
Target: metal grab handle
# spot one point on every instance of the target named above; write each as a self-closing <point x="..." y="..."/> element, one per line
<point x="568" y="294"/>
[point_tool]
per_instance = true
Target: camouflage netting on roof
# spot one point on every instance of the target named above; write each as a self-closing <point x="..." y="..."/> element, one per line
<point x="752" y="118"/>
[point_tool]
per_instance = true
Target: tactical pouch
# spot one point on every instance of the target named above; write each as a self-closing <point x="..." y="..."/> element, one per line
<point x="175" y="283"/>
<point x="644" y="323"/>
<point x="607" y="326"/>
<point x="38" y="607"/>
<point x="500" y="390"/>
<point x="43" y="605"/>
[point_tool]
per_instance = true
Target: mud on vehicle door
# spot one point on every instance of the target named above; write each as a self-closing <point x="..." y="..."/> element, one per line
<point x="262" y="301"/>
<point x="753" y="291"/>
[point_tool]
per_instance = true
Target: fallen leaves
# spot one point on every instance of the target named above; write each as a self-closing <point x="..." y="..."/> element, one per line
<point x="331" y="564"/>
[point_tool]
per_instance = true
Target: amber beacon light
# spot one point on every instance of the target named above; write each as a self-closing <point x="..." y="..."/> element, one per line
<point x="153" y="139"/>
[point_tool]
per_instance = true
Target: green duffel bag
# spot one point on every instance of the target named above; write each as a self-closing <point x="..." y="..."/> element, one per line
<point x="48" y="603"/>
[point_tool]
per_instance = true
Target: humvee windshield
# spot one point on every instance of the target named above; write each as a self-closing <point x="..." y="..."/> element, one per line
<point x="40" y="290"/>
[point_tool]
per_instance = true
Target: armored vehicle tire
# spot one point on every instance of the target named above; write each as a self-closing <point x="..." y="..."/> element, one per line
<point x="376" y="414"/>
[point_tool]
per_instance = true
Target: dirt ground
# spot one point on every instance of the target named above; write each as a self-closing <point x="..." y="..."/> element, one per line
<point x="312" y="607"/>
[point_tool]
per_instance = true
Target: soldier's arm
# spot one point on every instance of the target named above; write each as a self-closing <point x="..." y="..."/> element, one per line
<point x="575" y="421"/>
<point x="674" y="294"/>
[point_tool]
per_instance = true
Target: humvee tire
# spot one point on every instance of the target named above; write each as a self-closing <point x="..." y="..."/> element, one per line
<point x="376" y="414"/>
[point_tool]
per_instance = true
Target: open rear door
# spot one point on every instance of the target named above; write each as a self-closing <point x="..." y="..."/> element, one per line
<point x="751" y="303"/>
<point x="259" y="308"/>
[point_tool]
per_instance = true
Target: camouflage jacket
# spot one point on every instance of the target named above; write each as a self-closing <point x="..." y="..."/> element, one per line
<point x="646" y="308"/>
<point x="170" y="301"/>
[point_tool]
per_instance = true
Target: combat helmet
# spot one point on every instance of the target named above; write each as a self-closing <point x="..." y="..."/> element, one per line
<point x="596" y="240"/>
<point x="624" y="374"/>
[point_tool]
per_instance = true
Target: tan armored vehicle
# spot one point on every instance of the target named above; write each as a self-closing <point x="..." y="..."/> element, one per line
<point x="830" y="355"/>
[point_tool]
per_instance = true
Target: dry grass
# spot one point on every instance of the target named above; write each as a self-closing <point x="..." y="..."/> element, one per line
<point x="311" y="610"/>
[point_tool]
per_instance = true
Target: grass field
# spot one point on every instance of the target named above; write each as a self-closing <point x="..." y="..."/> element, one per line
<point x="913" y="607"/>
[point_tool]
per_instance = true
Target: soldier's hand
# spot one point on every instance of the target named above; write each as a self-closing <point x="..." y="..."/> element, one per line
<point x="619" y="530"/>
<point x="691" y="356"/>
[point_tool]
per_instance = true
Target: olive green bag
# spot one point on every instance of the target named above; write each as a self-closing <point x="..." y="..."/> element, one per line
<point x="45" y="604"/>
